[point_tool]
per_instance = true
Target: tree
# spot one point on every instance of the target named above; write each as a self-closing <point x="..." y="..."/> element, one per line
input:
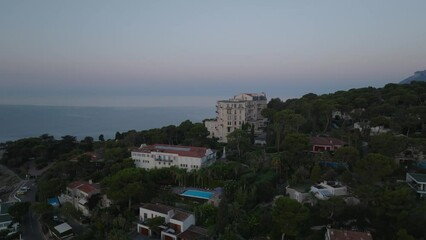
<point x="197" y="134"/>
<point x="87" y="144"/>
<point x="127" y="184"/>
<point x="240" y="140"/>
<point x="332" y="208"/>
<point x="41" y="208"/>
<point x="289" y="216"/>
<point x="403" y="235"/>
<point x="296" y="143"/>
<point x="117" y="234"/>
<point x="18" y="210"/>
<point x="315" y="173"/>
<point x="101" y="138"/>
<point x="348" y="155"/>
<point x="277" y="128"/>
<point x="374" y="167"/>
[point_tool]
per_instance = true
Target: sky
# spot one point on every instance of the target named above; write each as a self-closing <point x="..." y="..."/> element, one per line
<point x="192" y="52"/>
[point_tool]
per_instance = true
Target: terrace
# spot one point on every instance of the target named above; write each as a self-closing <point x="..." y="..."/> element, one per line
<point x="417" y="181"/>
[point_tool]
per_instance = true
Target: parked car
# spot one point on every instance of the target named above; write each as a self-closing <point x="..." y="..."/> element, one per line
<point x="25" y="188"/>
<point x="20" y="192"/>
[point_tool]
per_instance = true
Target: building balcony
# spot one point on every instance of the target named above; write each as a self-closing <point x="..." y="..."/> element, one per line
<point x="163" y="160"/>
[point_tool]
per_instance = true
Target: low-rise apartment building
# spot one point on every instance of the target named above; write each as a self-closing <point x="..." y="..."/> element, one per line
<point x="242" y="109"/>
<point x="162" y="155"/>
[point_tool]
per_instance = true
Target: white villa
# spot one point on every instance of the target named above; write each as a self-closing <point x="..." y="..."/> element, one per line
<point x="78" y="194"/>
<point x="233" y="113"/>
<point x="178" y="224"/>
<point x="161" y="155"/>
<point x="327" y="189"/>
<point x="417" y="181"/>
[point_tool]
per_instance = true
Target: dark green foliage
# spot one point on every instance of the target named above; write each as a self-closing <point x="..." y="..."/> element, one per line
<point x="289" y="216"/>
<point x="374" y="168"/>
<point x="18" y="210"/>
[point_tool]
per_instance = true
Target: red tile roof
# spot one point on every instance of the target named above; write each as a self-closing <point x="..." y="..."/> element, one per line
<point x="327" y="141"/>
<point x="193" y="233"/>
<point x="185" y="151"/>
<point x="84" y="186"/>
<point x="336" y="234"/>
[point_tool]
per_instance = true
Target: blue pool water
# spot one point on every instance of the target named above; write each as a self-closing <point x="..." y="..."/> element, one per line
<point x="197" y="194"/>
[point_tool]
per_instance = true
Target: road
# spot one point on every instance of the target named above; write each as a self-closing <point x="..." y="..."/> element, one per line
<point x="31" y="228"/>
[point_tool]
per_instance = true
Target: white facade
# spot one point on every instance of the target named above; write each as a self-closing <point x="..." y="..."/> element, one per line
<point x="325" y="190"/>
<point x="175" y="221"/>
<point x="185" y="157"/>
<point x="233" y="113"/>
<point x="78" y="194"/>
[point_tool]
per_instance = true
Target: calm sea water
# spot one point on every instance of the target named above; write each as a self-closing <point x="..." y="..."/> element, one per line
<point x="32" y="121"/>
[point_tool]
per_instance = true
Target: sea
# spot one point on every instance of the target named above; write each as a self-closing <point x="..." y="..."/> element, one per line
<point x="18" y="122"/>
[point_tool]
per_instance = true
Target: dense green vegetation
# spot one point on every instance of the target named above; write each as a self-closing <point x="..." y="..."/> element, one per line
<point x="252" y="176"/>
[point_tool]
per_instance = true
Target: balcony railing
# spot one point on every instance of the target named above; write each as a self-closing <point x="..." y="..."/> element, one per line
<point x="163" y="160"/>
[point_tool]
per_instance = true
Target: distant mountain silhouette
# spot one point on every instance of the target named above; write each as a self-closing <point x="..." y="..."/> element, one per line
<point x="418" y="76"/>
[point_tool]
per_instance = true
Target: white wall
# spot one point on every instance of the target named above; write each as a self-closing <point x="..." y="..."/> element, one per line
<point x="153" y="214"/>
<point x="189" y="221"/>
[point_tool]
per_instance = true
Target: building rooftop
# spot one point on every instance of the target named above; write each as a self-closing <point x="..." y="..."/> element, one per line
<point x="186" y="151"/>
<point x="194" y="232"/>
<point x="4" y="207"/>
<point x="418" y="177"/>
<point x="333" y="184"/>
<point x="181" y="215"/>
<point x="326" y="141"/>
<point x="336" y="234"/>
<point x="61" y="228"/>
<point x="84" y="186"/>
<point x="164" y="209"/>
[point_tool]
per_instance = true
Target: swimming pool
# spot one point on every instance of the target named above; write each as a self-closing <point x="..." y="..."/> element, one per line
<point x="197" y="194"/>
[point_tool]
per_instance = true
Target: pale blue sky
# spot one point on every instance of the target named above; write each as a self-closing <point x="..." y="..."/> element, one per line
<point x="151" y="53"/>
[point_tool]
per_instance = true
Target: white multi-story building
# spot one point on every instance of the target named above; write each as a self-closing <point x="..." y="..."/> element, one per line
<point x="233" y="113"/>
<point x="161" y="155"/>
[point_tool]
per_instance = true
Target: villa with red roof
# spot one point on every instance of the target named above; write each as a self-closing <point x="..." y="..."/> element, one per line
<point x="338" y="234"/>
<point x="78" y="194"/>
<point x="162" y="155"/>
<point x="320" y="144"/>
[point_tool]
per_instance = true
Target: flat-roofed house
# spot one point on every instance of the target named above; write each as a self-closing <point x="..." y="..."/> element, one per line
<point x="417" y="181"/>
<point x="176" y="221"/>
<point x="327" y="189"/>
<point x="5" y="218"/>
<point x="162" y="155"/>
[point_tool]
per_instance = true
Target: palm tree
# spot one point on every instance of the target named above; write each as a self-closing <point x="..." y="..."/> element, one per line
<point x="276" y="163"/>
<point x="277" y="128"/>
